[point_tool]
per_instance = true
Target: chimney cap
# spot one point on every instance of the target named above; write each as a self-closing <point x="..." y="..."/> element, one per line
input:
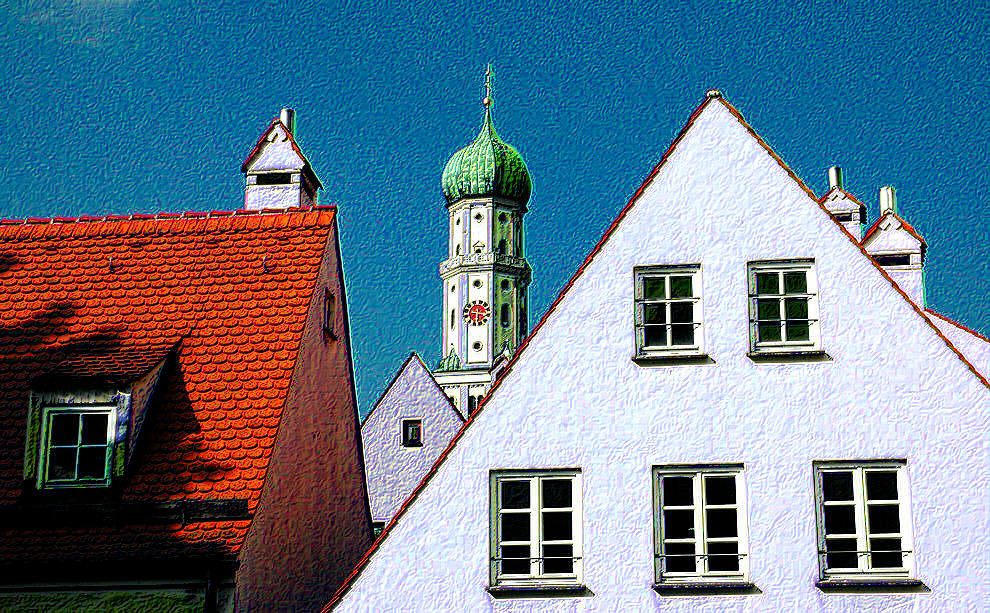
<point x="713" y="93"/>
<point x="888" y="200"/>
<point x="288" y="118"/>
<point x="835" y="178"/>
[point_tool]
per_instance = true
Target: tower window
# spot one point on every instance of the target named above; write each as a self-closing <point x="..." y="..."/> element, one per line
<point x="501" y="247"/>
<point x="472" y="404"/>
<point x="505" y="285"/>
<point x="477" y="283"/>
<point x="452" y="312"/>
<point x="457" y="250"/>
<point x="478" y="217"/>
<point x="476" y="346"/>
<point x="329" y="313"/>
<point x="274" y="178"/>
<point x="502" y="218"/>
<point x="505" y="316"/>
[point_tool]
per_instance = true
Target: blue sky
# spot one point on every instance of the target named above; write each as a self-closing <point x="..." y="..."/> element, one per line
<point x="115" y="107"/>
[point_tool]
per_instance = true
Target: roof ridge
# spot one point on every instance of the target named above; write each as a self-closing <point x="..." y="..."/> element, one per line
<point x="163" y="216"/>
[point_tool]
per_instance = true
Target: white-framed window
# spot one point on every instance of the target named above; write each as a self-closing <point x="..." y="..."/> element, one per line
<point x="700" y="523"/>
<point x="668" y="311"/>
<point x="412" y="432"/>
<point x="77" y="447"/>
<point x="864" y="521"/>
<point x="536" y="527"/>
<point x="783" y="306"/>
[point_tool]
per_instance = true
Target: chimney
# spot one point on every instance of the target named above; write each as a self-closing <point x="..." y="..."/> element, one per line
<point x="888" y="200"/>
<point x="288" y="119"/>
<point x="834" y="178"/>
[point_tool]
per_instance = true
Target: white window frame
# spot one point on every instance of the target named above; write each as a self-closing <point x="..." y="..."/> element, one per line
<point x="864" y="551"/>
<point x="409" y="442"/>
<point x="781" y="267"/>
<point x="700" y="510"/>
<point x="46" y="446"/>
<point x="640" y="274"/>
<point x="536" y="578"/>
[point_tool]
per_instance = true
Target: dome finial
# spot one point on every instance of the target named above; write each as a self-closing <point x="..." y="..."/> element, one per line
<point x="487" y="100"/>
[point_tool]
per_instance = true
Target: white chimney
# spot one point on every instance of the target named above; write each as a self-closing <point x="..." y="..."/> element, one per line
<point x="888" y="200"/>
<point x="288" y="119"/>
<point x="834" y="178"/>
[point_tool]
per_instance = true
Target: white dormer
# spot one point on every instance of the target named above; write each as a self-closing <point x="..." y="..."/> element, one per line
<point x="277" y="174"/>
<point x="843" y="206"/>
<point x="897" y="247"/>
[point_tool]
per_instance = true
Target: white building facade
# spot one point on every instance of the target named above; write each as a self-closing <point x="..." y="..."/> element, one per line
<point x="766" y="422"/>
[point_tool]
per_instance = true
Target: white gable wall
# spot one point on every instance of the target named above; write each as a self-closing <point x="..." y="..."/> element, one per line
<point x="893" y="390"/>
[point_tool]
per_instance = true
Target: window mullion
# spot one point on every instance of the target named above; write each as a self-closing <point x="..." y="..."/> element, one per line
<point x="863" y="558"/>
<point x="535" y="534"/>
<point x="700" y="546"/>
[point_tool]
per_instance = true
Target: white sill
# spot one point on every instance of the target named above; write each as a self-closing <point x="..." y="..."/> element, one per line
<point x="707" y="587"/>
<point x="671" y="359"/>
<point x="539" y="590"/>
<point x="867" y="584"/>
<point x="795" y="354"/>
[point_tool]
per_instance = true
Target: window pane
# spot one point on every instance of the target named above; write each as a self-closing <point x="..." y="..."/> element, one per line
<point x="796" y="308"/>
<point x="556" y="525"/>
<point x="723" y="557"/>
<point x="841" y="553"/>
<point x="558" y="559"/>
<point x="767" y="283"/>
<point x="887" y="553"/>
<point x="840" y="520"/>
<point x="556" y="493"/>
<point x="768" y="310"/>
<point x="680" y="287"/>
<point x="677" y="491"/>
<point x="678" y="524"/>
<point x="92" y="462"/>
<point x="653" y="287"/>
<point x="679" y="557"/>
<point x="837" y="486"/>
<point x="884" y="519"/>
<point x="515" y="526"/>
<point x="681" y="312"/>
<point x="720" y="490"/>
<point x="94" y="428"/>
<point x="795" y="283"/>
<point x="515" y="494"/>
<point x="721" y="523"/>
<point x="655" y="314"/>
<point x="797" y="331"/>
<point x="515" y="560"/>
<point x="655" y="336"/>
<point x="62" y="463"/>
<point x="881" y="485"/>
<point x="65" y="429"/>
<point x="768" y="333"/>
<point x="682" y="334"/>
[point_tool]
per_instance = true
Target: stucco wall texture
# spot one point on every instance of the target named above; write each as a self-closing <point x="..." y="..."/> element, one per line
<point x="394" y="470"/>
<point x="575" y="399"/>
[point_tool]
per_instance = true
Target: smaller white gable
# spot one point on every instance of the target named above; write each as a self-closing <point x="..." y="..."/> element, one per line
<point x="405" y="432"/>
<point x="275" y="151"/>
<point x="891" y="234"/>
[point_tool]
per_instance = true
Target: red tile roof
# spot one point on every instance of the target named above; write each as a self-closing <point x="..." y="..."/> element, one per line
<point x="226" y="294"/>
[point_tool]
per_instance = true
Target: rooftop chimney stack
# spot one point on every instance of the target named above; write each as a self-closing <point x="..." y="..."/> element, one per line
<point x="888" y="200"/>
<point x="834" y="178"/>
<point x="288" y="119"/>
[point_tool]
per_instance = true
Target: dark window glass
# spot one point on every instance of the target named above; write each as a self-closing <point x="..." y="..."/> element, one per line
<point x="515" y="494"/>
<point x="505" y="316"/>
<point x="655" y="336"/>
<point x="798" y="331"/>
<point x="721" y="523"/>
<point x="886" y="553"/>
<point x="677" y="491"/>
<point x="841" y="553"/>
<point x="655" y="314"/>
<point x="678" y="524"/>
<point x="556" y="525"/>
<point x="679" y="557"/>
<point x="768" y="310"/>
<point x="274" y="178"/>
<point x="884" y="519"/>
<point x="93" y="462"/>
<point x="840" y="520"/>
<point x="556" y="493"/>
<point x="65" y="429"/>
<point x="796" y="308"/>
<point x="681" y="312"/>
<point x="62" y="463"/>
<point x="653" y="288"/>
<point x="680" y="287"/>
<point x="682" y="334"/>
<point x="515" y="526"/>
<point x="412" y="433"/>
<point x="795" y="283"/>
<point x="723" y="557"/>
<point x="837" y="486"/>
<point x="94" y="428"/>
<point x="515" y="559"/>
<point x="881" y="485"/>
<point x="720" y="490"/>
<point x="767" y="283"/>
<point x="558" y="559"/>
<point x="768" y="333"/>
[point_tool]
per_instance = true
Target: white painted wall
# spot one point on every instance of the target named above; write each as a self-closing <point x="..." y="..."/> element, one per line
<point x="574" y="398"/>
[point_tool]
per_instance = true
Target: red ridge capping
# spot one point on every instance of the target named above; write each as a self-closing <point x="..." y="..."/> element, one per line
<point x="345" y="587"/>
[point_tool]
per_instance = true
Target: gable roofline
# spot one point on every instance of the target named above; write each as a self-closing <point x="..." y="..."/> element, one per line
<point x="398" y="373"/>
<point x="307" y="168"/>
<point x="844" y="193"/>
<point x="352" y="577"/>
<point x="958" y="325"/>
<point x="910" y="229"/>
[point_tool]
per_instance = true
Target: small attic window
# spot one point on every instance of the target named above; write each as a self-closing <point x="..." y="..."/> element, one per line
<point x="893" y="260"/>
<point x="329" y="313"/>
<point x="843" y="217"/>
<point x="412" y="432"/>
<point x="274" y="178"/>
<point x="77" y="447"/>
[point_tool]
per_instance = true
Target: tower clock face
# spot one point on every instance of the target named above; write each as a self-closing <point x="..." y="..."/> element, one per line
<point x="476" y="312"/>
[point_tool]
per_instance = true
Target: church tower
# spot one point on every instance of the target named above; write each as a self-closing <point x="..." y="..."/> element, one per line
<point x="485" y="275"/>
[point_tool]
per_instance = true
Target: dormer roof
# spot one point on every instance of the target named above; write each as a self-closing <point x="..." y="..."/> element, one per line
<point x="223" y="296"/>
<point x="267" y="153"/>
<point x="898" y="223"/>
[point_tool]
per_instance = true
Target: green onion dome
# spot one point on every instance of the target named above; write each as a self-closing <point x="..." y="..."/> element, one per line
<point x="486" y="167"/>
